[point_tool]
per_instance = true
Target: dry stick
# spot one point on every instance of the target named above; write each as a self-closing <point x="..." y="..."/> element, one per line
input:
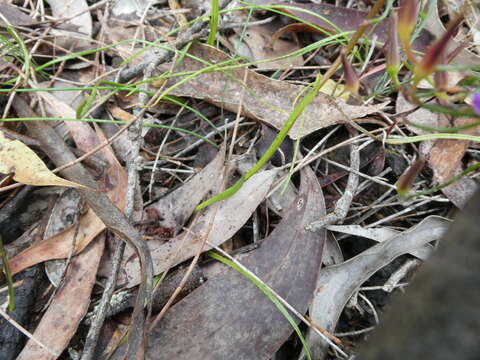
<point x="159" y="56"/>
<point x="132" y="175"/>
<point x="103" y="307"/>
<point x="343" y="204"/>
<point x="112" y="217"/>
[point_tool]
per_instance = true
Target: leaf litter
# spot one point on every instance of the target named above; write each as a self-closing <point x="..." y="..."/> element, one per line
<point x="245" y="333"/>
<point x="267" y="100"/>
<point x="289" y="258"/>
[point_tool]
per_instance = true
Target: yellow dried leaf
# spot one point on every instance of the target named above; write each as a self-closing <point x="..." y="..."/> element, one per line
<point x="18" y="159"/>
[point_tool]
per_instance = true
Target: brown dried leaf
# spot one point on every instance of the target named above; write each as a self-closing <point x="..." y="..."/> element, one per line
<point x="218" y="222"/>
<point x="446" y="162"/>
<point x="70" y="304"/>
<point x="60" y="245"/>
<point x="68" y="307"/>
<point x="18" y="159"/>
<point x="229" y="317"/>
<point x="267" y="100"/>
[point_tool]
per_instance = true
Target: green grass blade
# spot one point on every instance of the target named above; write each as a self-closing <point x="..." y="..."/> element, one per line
<point x="214" y="17"/>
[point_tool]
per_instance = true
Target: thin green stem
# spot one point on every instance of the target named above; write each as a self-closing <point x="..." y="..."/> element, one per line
<point x="214" y="17"/>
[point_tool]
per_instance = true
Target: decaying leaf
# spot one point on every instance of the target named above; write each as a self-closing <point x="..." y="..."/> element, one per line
<point x="336" y="284"/>
<point x="17" y="158"/>
<point x="64" y="214"/>
<point x="267" y="100"/>
<point x="78" y="21"/>
<point x="219" y="223"/>
<point x="14" y="16"/>
<point x="69" y="306"/>
<point x="446" y="161"/>
<point x="89" y="226"/>
<point x="380" y="235"/>
<point x="229" y="317"/>
<point x="434" y="24"/>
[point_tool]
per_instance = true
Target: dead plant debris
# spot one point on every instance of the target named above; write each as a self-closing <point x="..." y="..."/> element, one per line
<point x="148" y="109"/>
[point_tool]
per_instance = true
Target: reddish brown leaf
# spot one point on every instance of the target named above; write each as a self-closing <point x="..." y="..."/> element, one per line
<point x="446" y="161"/>
<point x="68" y="307"/>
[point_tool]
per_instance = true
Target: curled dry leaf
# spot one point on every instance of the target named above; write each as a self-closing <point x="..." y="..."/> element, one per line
<point x="267" y="100"/>
<point x="380" y="234"/>
<point x="18" y="159"/>
<point x="336" y="284"/>
<point x="218" y="222"/>
<point x="229" y="317"/>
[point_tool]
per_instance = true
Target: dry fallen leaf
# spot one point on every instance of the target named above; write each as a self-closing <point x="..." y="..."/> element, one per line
<point x="69" y="306"/>
<point x="345" y="19"/>
<point x="267" y="100"/>
<point x="446" y="162"/>
<point x="380" y="235"/>
<point x="229" y="317"/>
<point x="434" y="24"/>
<point x="336" y="284"/>
<point x="14" y="16"/>
<point x="17" y="158"/>
<point x="77" y="19"/>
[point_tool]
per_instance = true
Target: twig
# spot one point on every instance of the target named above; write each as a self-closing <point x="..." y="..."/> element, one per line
<point x="102" y="309"/>
<point x="343" y="204"/>
<point x="160" y="56"/>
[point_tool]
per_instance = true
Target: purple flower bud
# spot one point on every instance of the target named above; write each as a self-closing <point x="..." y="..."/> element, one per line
<point x="476" y="102"/>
